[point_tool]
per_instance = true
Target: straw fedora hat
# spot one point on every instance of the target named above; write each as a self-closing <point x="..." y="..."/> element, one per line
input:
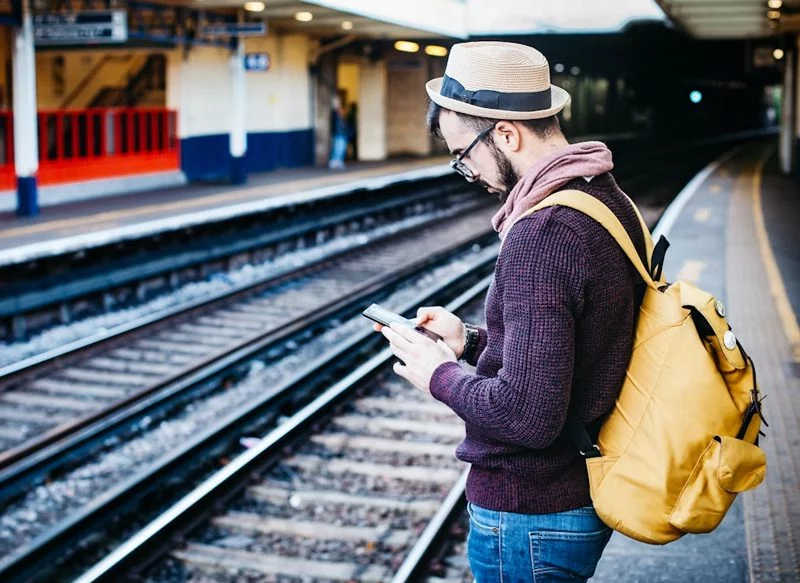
<point x="498" y="80"/>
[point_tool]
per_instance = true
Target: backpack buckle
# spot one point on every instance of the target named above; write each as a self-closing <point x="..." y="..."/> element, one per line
<point x="594" y="452"/>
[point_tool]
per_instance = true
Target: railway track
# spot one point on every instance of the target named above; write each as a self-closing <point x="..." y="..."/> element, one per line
<point x="48" y="400"/>
<point x="360" y="485"/>
<point x="27" y="545"/>
<point x="68" y="288"/>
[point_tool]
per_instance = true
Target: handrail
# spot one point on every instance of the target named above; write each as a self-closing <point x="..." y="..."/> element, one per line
<point x="100" y="100"/>
<point x="135" y="87"/>
<point x="85" y="82"/>
<point x="143" y="80"/>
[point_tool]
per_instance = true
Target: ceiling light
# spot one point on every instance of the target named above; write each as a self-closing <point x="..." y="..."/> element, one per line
<point x="774" y="14"/>
<point x="347" y="25"/>
<point x="775" y="4"/>
<point x="575" y="70"/>
<point x="559" y="68"/>
<point x="254" y="6"/>
<point x="406" y="46"/>
<point x="436" y="51"/>
<point x="778" y="54"/>
<point x="304" y="17"/>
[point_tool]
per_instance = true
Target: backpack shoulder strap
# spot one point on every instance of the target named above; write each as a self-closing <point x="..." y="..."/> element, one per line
<point x="592" y="207"/>
<point x="648" y="239"/>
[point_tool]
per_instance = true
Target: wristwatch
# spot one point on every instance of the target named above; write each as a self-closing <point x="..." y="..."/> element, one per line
<point x="472" y="336"/>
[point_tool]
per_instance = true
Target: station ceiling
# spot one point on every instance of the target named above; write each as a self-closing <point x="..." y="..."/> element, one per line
<point x="291" y="16"/>
<point x="734" y="19"/>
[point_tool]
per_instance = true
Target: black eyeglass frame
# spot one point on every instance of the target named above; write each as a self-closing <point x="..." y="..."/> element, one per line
<point x="459" y="166"/>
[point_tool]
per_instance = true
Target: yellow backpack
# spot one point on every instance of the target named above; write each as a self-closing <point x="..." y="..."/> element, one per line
<point x="680" y="443"/>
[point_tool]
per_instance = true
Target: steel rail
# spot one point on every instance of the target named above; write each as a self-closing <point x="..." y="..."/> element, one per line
<point x="150" y="541"/>
<point x="23" y="562"/>
<point x="35" y="456"/>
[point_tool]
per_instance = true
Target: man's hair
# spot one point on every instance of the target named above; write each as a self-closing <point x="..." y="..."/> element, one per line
<point x="543" y="128"/>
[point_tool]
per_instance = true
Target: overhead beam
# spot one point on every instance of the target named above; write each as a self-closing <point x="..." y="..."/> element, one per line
<point x="670" y="4"/>
<point x="717" y="11"/>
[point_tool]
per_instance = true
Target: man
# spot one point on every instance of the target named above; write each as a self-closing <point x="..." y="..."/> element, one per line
<point x="559" y="314"/>
<point x="339" y="133"/>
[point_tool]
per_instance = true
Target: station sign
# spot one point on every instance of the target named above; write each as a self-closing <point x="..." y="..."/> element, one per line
<point x="256" y="62"/>
<point x="80" y="28"/>
<point x="236" y="29"/>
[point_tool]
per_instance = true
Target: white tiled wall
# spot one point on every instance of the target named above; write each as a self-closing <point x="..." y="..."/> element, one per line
<point x="372" y="136"/>
<point x="277" y="100"/>
<point x="407" y="104"/>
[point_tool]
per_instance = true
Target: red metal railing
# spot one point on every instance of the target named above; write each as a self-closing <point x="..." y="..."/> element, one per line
<point x="7" y="174"/>
<point x="89" y="144"/>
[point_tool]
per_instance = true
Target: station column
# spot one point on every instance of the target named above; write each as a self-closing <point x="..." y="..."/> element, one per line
<point x="238" y="139"/>
<point x="789" y="107"/>
<point x="26" y="159"/>
<point x="372" y="136"/>
<point x="796" y="109"/>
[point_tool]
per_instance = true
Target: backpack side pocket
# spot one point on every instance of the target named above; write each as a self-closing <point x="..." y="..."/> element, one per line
<point x="726" y="467"/>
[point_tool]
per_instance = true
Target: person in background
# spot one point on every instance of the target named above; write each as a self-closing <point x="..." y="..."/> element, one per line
<point x="339" y="134"/>
<point x="560" y="316"/>
<point x="352" y="126"/>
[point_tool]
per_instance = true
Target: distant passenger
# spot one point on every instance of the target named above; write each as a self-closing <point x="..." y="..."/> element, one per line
<point x="352" y="127"/>
<point x="559" y="319"/>
<point x="339" y="134"/>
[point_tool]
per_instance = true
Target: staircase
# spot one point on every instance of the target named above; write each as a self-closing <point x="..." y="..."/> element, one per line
<point x="146" y="88"/>
<point x="128" y="80"/>
<point x="110" y="71"/>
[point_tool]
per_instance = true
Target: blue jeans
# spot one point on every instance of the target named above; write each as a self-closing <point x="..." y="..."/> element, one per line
<point x="504" y="547"/>
<point x="339" y="149"/>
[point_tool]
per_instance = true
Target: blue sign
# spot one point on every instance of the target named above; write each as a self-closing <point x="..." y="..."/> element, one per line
<point x="256" y="62"/>
<point x="235" y="29"/>
<point x="88" y="27"/>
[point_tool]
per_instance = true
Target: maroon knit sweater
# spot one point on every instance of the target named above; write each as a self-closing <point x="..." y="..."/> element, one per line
<point x="560" y="321"/>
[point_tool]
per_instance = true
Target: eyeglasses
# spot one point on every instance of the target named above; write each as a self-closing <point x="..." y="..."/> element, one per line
<point x="459" y="166"/>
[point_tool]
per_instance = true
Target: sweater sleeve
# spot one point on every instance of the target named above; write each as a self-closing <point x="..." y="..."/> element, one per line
<point x="541" y="274"/>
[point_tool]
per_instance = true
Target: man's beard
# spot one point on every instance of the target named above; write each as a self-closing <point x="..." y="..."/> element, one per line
<point x="508" y="176"/>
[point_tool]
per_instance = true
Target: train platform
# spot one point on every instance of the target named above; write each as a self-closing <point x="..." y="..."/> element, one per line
<point x="733" y="231"/>
<point x="78" y="225"/>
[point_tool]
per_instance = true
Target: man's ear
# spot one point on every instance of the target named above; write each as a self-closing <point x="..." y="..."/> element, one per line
<point x="507" y="136"/>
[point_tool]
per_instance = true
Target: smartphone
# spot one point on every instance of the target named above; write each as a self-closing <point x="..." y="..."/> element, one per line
<point x="386" y="317"/>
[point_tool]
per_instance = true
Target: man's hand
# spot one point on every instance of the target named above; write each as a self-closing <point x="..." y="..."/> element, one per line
<point x="445" y="324"/>
<point x="421" y="355"/>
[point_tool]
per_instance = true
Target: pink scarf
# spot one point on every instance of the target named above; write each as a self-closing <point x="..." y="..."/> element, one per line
<point x="549" y="174"/>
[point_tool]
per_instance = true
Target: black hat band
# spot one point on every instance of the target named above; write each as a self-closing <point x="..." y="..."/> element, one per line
<point x="486" y="98"/>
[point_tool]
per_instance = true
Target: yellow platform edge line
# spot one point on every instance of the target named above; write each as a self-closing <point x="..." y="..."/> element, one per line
<point x="776" y="286"/>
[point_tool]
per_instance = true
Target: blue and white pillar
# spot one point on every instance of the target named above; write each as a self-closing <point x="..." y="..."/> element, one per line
<point x="239" y="105"/>
<point x="788" y="110"/>
<point x="26" y="157"/>
<point x="796" y="95"/>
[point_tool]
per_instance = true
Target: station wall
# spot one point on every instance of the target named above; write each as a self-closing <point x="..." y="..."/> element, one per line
<point x="407" y="105"/>
<point x="278" y="117"/>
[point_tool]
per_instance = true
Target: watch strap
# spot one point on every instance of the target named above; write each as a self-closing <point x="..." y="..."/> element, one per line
<point x="471" y="340"/>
